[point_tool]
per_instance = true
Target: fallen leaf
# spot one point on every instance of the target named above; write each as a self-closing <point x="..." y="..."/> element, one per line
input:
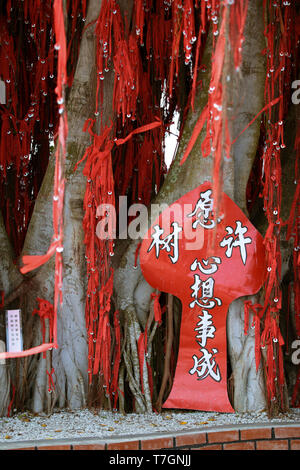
<point x="203" y="422"/>
<point x="44" y="425"/>
<point x="58" y="430"/>
<point x="7" y="437"/>
<point x="110" y="429"/>
<point x="183" y="422"/>
<point x="211" y="419"/>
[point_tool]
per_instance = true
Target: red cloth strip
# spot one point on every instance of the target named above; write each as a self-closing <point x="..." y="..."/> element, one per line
<point x="11" y="401"/>
<point x="265" y="108"/>
<point x="139" y="130"/>
<point x="29" y="352"/>
<point x="157" y="307"/>
<point x="196" y="131"/>
<point x="51" y="385"/>
<point x="34" y="262"/>
<point x="2" y="299"/>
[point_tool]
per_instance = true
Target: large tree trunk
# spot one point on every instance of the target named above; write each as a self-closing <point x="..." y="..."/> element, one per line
<point x="133" y="295"/>
<point x="249" y="392"/>
<point x="70" y="359"/>
<point x="10" y="280"/>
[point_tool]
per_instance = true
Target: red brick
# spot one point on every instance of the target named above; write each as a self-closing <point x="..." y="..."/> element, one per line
<point x="223" y="436"/>
<point x="239" y="446"/>
<point x="162" y="443"/>
<point x="212" y="447"/>
<point x="295" y="444"/>
<point x="89" y="447"/>
<point x="248" y="434"/>
<point x="190" y="439"/>
<point x="275" y="444"/>
<point x="128" y="445"/>
<point x="62" y="447"/>
<point x="287" y="432"/>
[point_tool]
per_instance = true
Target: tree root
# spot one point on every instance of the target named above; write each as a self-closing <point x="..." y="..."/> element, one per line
<point x="121" y="389"/>
<point x="169" y="342"/>
<point x="131" y="359"/>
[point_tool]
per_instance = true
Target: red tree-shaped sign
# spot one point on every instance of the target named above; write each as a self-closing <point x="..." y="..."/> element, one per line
<point x="206" y="262"/>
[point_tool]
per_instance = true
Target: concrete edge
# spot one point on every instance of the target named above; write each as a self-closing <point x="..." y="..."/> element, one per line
<point x="12" y="445"/>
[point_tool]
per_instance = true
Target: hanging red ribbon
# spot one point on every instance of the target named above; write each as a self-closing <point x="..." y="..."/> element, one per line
<point x="51" y="386"/>
<point x="56" y="247"/>
<point x="156" y="307"/>
<point x="45" y="311"/>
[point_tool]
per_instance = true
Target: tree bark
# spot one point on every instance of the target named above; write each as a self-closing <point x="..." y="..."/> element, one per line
<point x="248" y="385"/>
<point x="245" y="98"/>
<point x="10" y="279"/>
<point x="70" y="359"/>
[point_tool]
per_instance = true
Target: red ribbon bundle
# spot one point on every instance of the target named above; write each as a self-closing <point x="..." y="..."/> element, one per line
<point x="278" y="33"/>
<point x="56" y="247"/>
<point x="278" y="53"/>
<point x="217" y="140"/>
<point x="45" y="311"/>
<point x="29" y="114"/>
<point x="293" y="231"/>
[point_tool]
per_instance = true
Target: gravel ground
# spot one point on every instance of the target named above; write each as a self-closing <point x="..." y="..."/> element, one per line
<point x="101" y="424"/>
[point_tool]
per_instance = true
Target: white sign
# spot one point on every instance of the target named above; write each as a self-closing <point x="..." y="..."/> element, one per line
<point x="14" y="339"/>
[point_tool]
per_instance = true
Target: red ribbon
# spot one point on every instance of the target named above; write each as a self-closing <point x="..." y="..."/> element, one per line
<point x="142" y="350"/>
<point x="45" y="310"/>
<point x="139" y="130"/>
<point x="51" y="385"/>
<point x="2" y="299"/>
<point x="11" y="401"/>
<point x="157" y="307"/>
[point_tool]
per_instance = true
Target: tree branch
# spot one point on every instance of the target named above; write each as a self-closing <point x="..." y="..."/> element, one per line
<point x="21" y="290"/>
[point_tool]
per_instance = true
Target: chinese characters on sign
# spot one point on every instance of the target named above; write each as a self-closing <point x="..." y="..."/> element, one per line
<point x="205" y="365"/>
<point x="167" y="243"/>
<point x="238" y="241"/>
<point x="203" y="211"/>
<point x="14" y="340"/>
<point x="228" y="264"/>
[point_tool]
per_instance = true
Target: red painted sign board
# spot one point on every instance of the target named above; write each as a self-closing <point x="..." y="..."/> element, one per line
<point x="207" y="264"/>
